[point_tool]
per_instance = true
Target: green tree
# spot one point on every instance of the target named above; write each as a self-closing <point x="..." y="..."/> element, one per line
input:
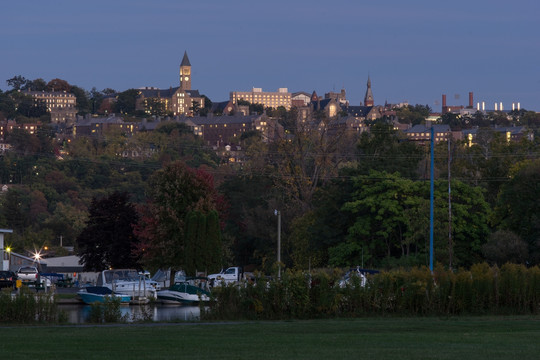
<point x="96" y="98"/>
<point x="17" y="82"/>
<point x="384" y="149"/>
<point x="14" y="210"/>
<point x="67" y="221"/>
<point x="310" y="159"/>
<point x="26" y="106"/>
<point x="7" y="105"/>
<point x="126" y="101"/>
<point x="413" y="115"/>
<point x="174" y="191"/>
<point x="83" y="101"/>
<point x="504" y="246"/>
<point x="203" y="242"/>
<point x="108" y="239"/>
<point x="58" y="85"/>
<point x="37" y="85"/>
<point x="518" y="208"/>
<point x="214" y="244"/>
<point x="487" y="162"/>
<point x="390" y="220"/>
<point x="379" y="206"/>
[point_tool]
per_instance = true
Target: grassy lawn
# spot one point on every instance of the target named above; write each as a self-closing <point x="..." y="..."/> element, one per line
<point x="371" y="338"/>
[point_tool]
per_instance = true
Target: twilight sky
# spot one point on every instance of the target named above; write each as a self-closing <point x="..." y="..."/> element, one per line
<point x="413" y="50"/>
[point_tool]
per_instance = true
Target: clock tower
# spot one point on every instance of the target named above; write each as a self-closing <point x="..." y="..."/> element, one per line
<point x="185" y="73"/>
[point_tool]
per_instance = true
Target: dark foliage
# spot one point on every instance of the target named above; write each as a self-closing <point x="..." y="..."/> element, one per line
<point x="108" y="239"/>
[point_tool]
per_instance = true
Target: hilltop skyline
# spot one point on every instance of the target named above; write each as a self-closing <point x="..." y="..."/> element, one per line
<point x="412" y="52"/>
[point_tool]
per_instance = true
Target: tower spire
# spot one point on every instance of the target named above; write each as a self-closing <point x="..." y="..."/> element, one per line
<point x="368" y="99"/>
<point x="185" y="60"/>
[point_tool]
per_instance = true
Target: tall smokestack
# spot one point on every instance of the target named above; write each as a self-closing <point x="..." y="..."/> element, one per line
<point x="513" y="106"/>
<point x="471" y="99"/>
<point x="483" y="106"/>
<point x="444" y="103"/>
<point x="518" y="106"/>
<point x="500" y="107"/>
<point x="495" y="106"/>
<point x="477" y="106"/>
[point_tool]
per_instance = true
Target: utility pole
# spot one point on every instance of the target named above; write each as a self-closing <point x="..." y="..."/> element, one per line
<point x="278" y="214"/>
<point x="431" y="200"/>
<point x="450" y="244"/>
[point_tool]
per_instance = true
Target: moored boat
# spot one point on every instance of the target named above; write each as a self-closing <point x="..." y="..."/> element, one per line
<point x="128" y="282"/>
<point x="188" y="292"/>
<point x="95" y="294"/>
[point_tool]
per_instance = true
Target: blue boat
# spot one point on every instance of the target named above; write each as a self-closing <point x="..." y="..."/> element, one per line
<point x="93" y="294"/>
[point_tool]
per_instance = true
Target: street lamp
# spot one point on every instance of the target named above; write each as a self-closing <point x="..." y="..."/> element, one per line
<point x="8" y="250"/>
<point x="278" y="214"/>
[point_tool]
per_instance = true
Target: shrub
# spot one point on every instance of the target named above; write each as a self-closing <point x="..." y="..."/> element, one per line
<point x="27" y="306"/>
<point x="513" y="289"/>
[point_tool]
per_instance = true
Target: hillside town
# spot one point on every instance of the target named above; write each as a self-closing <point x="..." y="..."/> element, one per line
<point x="221" y="123"/>
<point x="66" y="150"/>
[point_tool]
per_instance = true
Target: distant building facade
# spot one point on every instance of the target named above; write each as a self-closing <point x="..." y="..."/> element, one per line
<point x="218" y="131"/>
<point x="60" y="104"/>
<point x="340" y="97"/>
<point x="97" y="127"/>
<point x="282" y="97"/>
<point x="180" y="100"/>
<point x="422" y="134"/>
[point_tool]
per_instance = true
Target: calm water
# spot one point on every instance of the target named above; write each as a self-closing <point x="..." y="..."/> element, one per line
<point x="79" y="314"/>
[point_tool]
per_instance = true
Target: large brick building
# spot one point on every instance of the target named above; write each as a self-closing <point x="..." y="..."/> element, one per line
<point x="180" y="100"/>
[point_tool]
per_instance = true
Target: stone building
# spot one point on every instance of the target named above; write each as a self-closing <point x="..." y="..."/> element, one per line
<point x="178" y="101"/>
<point x="60" y="104"/>
<point x="282" y="97"/>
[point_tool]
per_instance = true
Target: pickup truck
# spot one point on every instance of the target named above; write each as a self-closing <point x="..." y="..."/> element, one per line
<point x="27" y="273"/>
<point x="230" y="275"/>
<point x="30" y="275"/>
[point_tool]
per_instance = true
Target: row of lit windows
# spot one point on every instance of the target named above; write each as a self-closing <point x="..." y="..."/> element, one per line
<point x="225" y="125"/>
<point x="52" y="95"/>
<point x="59" y="100"/>
<point x="427" y="134"/>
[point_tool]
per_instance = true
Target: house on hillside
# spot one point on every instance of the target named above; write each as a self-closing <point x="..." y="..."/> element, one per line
<point x="421" y="134"/>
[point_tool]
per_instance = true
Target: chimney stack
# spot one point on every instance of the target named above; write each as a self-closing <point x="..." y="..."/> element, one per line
<point x="443" y="103"/>
<point x="470" y="99"/>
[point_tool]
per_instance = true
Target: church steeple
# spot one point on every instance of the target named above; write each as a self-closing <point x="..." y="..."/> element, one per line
<point x="185" y="73"/>
<point x="368" y="99"/>
<point x="185" y="60"/>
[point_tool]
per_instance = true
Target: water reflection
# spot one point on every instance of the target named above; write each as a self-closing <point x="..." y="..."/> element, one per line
<point x="79" y="314"/>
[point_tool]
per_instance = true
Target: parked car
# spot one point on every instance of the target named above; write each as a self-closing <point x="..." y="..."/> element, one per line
<point x="7" y="279"/>
<point x="28" y="273"/>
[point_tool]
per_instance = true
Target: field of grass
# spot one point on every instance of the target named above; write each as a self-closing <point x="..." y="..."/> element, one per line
<point x="367" y="338"/>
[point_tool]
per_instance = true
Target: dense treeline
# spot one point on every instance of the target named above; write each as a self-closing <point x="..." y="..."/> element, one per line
<point x="345" y="198"/>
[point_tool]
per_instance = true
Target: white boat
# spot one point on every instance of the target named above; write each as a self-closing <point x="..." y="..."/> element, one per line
<point x="128" y="282"/>
<point x="93" y="294"/>
<point x="188" y="292"/>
